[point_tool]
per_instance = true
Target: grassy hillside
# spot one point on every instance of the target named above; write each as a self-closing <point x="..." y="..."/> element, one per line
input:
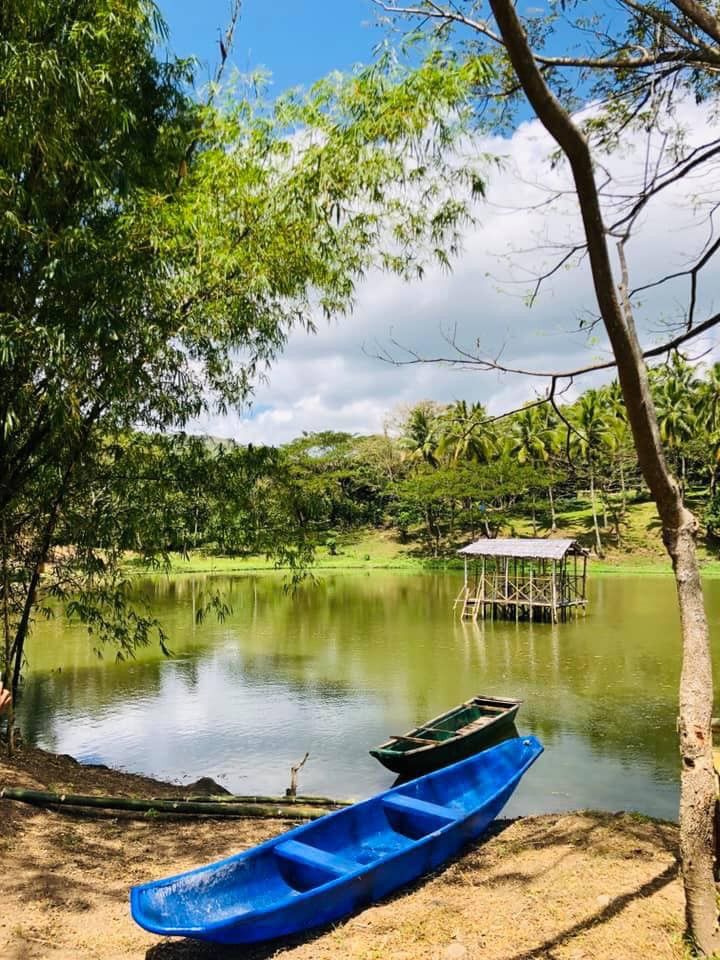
<point x="640" y="549"/>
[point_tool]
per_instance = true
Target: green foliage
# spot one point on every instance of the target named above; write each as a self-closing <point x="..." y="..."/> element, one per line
<point x="155" y="251"/>
<point x="711" y="517"/>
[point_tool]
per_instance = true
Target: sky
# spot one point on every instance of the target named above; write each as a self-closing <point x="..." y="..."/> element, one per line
<point x="298" y="41"/>
<point x="334" y="379"/>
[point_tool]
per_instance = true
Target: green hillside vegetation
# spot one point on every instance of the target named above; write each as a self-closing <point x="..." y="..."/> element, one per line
<point x="441" y="476"/>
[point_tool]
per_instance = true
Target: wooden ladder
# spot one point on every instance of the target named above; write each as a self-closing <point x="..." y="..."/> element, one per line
<point x="470" y="604"/>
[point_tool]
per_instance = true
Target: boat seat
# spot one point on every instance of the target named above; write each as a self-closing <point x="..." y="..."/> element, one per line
<point x="403" y="804"/>
<point x="474" y="725"/>
<point x="310" y="856"/>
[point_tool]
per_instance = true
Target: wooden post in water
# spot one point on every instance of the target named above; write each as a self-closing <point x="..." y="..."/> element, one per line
<point x="507" y="584"/>
<point x="482" y="590"/>
<point x="531" y="611"/>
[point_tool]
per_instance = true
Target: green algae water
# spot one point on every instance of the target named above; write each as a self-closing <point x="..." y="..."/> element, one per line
<point x="335" y="668"/>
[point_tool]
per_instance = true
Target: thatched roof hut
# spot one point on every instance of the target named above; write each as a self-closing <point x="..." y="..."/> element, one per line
<point x="538" y="547"/>
<point x="523" y="578"/>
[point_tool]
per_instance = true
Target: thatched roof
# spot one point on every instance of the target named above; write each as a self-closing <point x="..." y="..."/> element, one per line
<point x="528" y="547"/>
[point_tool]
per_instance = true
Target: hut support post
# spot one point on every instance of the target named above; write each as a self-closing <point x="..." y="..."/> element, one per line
<point x="482" y="590"/>
<point x="532" y="609"/>
<point x="507" y="584"/>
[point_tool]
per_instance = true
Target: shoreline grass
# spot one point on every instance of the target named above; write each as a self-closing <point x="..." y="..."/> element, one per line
<point x="368" y="560"/>
<point x="641" y="553"/>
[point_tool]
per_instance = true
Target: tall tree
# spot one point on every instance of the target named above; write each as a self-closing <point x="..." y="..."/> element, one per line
<point x="466" y="434"/>
<point x="708" y="415"/>
<point x="533" y="440"/>
<point x="421" y="431"/>
<point x="591" y="437"/>
<point x="639" y="72"/>
<point x="673" y="388"/>
<point x="155" y="251"/>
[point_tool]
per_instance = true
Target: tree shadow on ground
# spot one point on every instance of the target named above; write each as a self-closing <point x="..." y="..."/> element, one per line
<point x="612" y="909"/>
<point x="478" y="861"/>
<point x="188" y="949"/>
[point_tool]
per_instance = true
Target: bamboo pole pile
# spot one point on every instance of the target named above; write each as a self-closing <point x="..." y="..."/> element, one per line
<point x="262" y="808"/>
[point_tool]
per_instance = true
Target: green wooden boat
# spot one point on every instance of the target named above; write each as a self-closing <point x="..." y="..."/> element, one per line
<point x="454" y="735"/>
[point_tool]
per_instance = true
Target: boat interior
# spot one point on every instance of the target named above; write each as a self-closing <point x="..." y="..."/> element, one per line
<point x="466" y="719"/>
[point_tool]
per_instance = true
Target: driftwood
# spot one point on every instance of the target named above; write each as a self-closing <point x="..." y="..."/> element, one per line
<point x="294" y="770"/>
<point x="275" y="810"/>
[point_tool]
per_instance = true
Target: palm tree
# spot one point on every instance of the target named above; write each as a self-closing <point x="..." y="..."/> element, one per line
<point x="466" y="434"/>
<point x="421" y="434"/>
<point x="707" y="412"/>
<point x="675" y="391"/>
<point x="533" y="440"/>
<point x="622" y="438"/>
<point x="592" y="436"/>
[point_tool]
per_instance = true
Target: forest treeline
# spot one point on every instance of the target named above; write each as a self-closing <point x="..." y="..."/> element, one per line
<point x="439" y="474"/>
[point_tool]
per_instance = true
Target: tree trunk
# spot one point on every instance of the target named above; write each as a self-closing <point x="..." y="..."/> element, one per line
<point x="698" y="789"/>
<point x="596" y="526"/>
<point x="10" y="711"/>
<point x="534" y="518"/>
<point x="623" y="495"/>
<point x="551" y="501"/>
<point x="697" y="781"/>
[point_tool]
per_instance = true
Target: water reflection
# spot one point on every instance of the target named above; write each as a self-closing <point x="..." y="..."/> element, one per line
<point x="334" y="669"/>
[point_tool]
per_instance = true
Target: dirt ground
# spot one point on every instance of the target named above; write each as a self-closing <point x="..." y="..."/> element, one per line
<point x="572" y="887"/>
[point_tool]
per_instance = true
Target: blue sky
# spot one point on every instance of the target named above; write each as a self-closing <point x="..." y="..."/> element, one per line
<point x="298" y="41"/>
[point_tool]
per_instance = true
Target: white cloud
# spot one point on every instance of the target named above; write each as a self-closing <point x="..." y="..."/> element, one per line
<point x="333" y="381"/>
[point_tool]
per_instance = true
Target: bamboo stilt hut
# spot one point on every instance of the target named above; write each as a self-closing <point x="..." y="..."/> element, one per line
<point x="540" y="584"/>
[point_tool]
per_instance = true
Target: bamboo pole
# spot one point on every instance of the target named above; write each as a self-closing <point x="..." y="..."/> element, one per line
<point x="482" y="590"/>
<point x="259" y="811"/>
<point x="299" y="799"/>
<point x="531" y="611"/>
<point x="507" y="586"/>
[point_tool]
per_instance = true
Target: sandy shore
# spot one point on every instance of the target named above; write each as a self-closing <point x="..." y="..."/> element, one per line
<point x="563" y="887"/>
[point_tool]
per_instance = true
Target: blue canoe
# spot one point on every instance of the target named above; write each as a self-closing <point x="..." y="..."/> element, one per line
<point x="326" y="869"/>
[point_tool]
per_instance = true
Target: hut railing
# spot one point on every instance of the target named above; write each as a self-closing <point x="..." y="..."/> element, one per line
<point x="536" y="589"/>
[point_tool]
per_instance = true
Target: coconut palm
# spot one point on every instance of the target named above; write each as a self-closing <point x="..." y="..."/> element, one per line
<point x="534" y="440"/>
<point x="591" y="438"/>
<point x="707" y="412"/>
<point x="675" y="390"/>
<point x="421" y="434"/>
<point x="466" y="434"/>
<point x="620" y="429"/>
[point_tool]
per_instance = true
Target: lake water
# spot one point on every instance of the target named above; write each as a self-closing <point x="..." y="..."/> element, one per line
<point x="336" y="668"/>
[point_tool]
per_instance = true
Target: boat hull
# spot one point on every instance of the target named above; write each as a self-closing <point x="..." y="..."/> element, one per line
<point x="323" y="871"/>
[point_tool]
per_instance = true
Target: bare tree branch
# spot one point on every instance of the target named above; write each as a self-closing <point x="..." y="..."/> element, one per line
<point x="701" y="16"/>
<point x="697" y="52"/>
